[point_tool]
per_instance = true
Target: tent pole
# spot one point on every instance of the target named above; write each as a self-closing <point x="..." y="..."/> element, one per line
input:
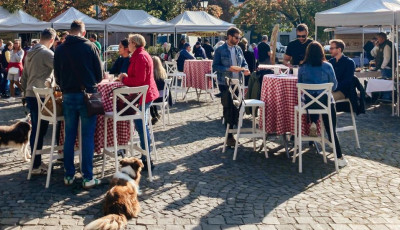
<point x="175" y="37"/>
<point x="316" y="31"/>
<point x="393" y="65"/>
<point x="362" y="49"/>
<point x="397" y="71"/>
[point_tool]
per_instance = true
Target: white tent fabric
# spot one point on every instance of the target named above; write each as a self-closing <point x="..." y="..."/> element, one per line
<point x="357" y="30"/>
<point x="360" y="13"/>
<point x="20" y="21"/>
<point x="64" y="20"/>
<point x="197" y="21"/>
<point x="137" y="21"/>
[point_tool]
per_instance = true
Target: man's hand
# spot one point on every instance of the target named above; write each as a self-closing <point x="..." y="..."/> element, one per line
<point x="235" y="69"/>
<point x="246" y="72"/>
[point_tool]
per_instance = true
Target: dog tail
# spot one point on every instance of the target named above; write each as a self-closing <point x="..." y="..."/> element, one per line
<point x="109" y="222"/>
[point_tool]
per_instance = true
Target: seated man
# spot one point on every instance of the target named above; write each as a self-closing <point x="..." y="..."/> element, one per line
<point x="199" y="51"/>
<point x="184" y="55"/>
<point x="344" y="70"/>
<point x="122" y="63"/>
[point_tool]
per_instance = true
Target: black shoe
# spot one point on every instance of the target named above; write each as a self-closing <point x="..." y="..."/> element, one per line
<point x="154" y="120"/>
<point x="219" y="95"/>
<point x="145" y="169"/>
<point x="121" y="153"/>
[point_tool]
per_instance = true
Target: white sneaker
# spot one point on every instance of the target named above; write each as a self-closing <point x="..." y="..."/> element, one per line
<point x="41" y="170"/>
<point x="342" y="162"/>
<point x="313" y="130"/>
<point x="88" y="184"/>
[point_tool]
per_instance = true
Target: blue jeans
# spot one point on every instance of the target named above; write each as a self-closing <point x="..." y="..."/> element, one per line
<point x="74" y="108"/>
<point x="139" y="128"/>
<point x="31" y="104"/>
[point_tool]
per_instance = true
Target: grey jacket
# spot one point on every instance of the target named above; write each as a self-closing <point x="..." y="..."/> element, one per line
<point x="222" y="62"/>
<point x="38" y="69"/>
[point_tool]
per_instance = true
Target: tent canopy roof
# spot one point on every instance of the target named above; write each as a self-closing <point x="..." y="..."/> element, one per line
<point x="64" y="20"/>
<point x="360" y="13"/>
<point x="196" y="21"/>
<point x="20" y="21"/>
<point x="137" y="21"/>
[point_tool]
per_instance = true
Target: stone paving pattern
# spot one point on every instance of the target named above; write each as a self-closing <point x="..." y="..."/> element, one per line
<point x="196" y="186"/>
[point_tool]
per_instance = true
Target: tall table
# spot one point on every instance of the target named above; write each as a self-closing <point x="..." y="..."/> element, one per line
<point x="280" y="97"/>
<point x="195" y="71"/>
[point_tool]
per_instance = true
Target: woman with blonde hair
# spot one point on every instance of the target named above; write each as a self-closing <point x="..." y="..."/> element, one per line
<point x="15" y="67"/>
<point x="140" y="73"/>
<point x="159" y="76"/>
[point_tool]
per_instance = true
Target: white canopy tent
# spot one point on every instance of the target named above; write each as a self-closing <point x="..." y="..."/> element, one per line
<point x="64" y="20"/>
<point x="366" y="13"/>
<point x="20" y="21"/>
<point x="198" y="21"/>
<point x="137" y="21"/>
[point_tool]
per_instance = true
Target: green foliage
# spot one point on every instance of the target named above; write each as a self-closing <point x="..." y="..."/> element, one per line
<point x="262" y="15"/>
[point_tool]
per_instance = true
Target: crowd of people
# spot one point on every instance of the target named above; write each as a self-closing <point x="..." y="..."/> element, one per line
<point x="73" y="63"/>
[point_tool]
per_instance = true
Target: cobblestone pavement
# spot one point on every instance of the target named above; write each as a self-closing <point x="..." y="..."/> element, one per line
<point x="196" y="186"/>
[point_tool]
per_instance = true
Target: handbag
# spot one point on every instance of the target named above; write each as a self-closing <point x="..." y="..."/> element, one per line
<point x="49" y="105"/>
<point x="13" y="70"/>
<point x="94" y="103"/>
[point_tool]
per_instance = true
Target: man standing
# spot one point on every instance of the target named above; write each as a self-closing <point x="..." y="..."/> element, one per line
<point x="208" y="48"/>
<point x="383" y="55"/>
<point x="264" y="51"/>
<point x="344" y="69"/>
<point x="368" y="47"/>
<point x="38" y="72"/>
<point x="296" y="49"/>
<point x="77" y="67"/>
<point x="226" y="58"/>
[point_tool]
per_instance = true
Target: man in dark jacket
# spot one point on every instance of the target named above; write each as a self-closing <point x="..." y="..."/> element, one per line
<point x="77" y="67"/>
<point x="264" y="51"/>
<point x="344" y="70"/>
<point x="184" y="55"/>
<point x="208" y="48"/>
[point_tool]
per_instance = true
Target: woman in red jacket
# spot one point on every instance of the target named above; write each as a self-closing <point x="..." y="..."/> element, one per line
<point x="140" y="72"/>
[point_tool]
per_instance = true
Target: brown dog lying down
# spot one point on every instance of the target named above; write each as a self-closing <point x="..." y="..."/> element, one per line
<point x="16" y="136"/>
<point x="121" y="203"/>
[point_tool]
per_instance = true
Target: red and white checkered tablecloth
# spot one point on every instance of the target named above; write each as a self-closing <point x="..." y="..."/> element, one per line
<point x="195" y="71"/>
<point x="280" y="97"/>
<point x="123" y="127"/>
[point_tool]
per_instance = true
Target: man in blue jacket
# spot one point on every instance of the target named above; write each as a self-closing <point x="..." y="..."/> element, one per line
<point x="344" y="70"/>
<point x="226" y="58"/>
<point x="184" y="55"/>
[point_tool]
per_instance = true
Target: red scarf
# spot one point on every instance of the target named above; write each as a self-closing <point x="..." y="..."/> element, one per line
<point x="16" y="65"/>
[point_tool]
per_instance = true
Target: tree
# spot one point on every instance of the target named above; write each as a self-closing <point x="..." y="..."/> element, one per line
<point x="261" y="15"/>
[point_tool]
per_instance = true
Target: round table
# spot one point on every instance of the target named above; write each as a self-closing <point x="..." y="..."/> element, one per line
<point x="280" y="97"/>
<point x="195" y="71"/>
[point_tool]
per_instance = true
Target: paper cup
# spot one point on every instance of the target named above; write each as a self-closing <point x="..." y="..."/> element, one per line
<point x="295" y="72"/>
<point x="111" y="77"/>
<point x="277" y="70"/>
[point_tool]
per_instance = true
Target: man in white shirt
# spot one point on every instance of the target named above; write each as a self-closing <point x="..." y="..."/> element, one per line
<point x="383" y="55"/>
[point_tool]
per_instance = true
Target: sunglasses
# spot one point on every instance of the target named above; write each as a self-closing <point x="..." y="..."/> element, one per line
<point x="301" y="36"/>
<point x="237" y="37"/>
<point x="331" y="48"/>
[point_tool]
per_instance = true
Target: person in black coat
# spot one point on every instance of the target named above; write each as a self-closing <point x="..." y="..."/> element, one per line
<point x="250" y="59"/>
<point x="122" y="63"/>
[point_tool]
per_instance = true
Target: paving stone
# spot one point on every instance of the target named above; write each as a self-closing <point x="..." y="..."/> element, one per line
<point x="358" y="227"/>
<point x="248" y="227"/>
